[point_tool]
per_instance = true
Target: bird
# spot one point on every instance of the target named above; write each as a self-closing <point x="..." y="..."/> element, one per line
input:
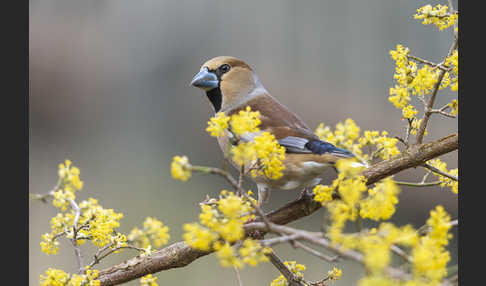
<point x="231" y="85"/>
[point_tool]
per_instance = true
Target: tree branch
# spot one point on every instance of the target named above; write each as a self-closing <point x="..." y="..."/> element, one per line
<point x="179" y="254"/>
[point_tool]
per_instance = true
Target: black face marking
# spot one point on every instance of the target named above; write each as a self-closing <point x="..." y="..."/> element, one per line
<point x="216" y="98"/>
<point x="215" y="95"/>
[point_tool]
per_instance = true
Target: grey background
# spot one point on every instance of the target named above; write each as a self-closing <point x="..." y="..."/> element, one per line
<point x="109" y="89"/>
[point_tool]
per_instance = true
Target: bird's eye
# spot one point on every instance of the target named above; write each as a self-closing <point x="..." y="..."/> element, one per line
<point x="224" y="68"/>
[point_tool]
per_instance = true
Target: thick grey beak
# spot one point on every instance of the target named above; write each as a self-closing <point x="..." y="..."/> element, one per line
<point x="205" y="80"/>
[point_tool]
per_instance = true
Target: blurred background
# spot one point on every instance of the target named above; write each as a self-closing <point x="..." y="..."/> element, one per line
<point x="109" y="89"/>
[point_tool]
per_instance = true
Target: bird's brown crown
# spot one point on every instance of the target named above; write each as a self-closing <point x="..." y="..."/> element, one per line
<point x="233" y="62"/>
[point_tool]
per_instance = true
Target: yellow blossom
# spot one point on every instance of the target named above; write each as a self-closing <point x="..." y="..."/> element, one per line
<point x="148" y="280"/>
<point x="245" y="121"/>
<point x="199" y="237"/>
<point x="69" y="175"/>
<point x="270" y="155"/>
<point x="54" y="277"/>
<point x="49" y="245"/>
<point x="208" y="216"/>
<point x="244" y="154"/>
<point x="297" y="269"/>
<point x="62" y="198"/>
<point x="253" y="252"/>
<point x="445" y="181"/>
<point x="455" y="107"/>
<point x="334" y="274"/>
<point x="180" y="168"/>
<point x="102" y="221"/>
<point x="117" y="241"/>
<point x="437" y="15"/>
<point x="381" y="201"/>
<point x="323" y="194"/>
<point x="409" y="112"/>
<point x="226" y="256"/>
<point x="218" y="124"/>
<point x="231" y="230"/>
<point x="429" y="256"/>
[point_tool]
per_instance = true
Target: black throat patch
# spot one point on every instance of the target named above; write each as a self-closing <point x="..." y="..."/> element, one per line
<point x="216" y="98"/>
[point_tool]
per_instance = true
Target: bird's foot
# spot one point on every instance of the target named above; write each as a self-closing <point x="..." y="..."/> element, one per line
<point x="254" y="233"/>
<point x="306" y="193"/>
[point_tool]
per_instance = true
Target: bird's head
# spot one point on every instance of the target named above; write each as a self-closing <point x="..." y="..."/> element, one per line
<point x="227" y="81"/>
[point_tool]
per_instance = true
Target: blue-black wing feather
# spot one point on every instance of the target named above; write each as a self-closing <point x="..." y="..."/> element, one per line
<point x="320" y="147"/>
<point x="294" y="144"/>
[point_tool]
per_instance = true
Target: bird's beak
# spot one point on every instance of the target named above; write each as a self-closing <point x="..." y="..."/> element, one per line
<point x="205" y="80"/>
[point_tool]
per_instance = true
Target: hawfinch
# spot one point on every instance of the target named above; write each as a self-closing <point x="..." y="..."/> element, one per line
<point x="231" y="85"/>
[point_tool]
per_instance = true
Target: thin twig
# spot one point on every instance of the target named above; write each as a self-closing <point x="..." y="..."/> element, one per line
<point x="98" y="257"/>
<point x="216" y="171"/>
<point x="292" y="279"/>
<point x="422" y="184"/>
<point x="74" y="240"/>
<point x="238" y="277"/>
<point x="279" y="239"/>
<point x="430" y="103"/>
<point x="398" y="251"/>
<point x="429" y="63"/>
<point x="240" y="179"/>
<point x="315" y="252"/>
<point x="438" y="111"/>
<point x="444" y="174"/>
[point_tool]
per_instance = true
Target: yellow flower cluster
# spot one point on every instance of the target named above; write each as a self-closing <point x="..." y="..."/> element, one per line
<point x="69" y="175"/>
<point x="445" y="181"/>
<point x="385" y="145"/>
<point x="379" y="204"/>
<point x="334" y="274"/>
<point x="220" y="225"/>
<point x="350" y="187"/>
<point x="270" y="155"/>
<point x="180" y="168"/>
<point x="455" y="107"/>
<point x="68" y="183"/>
<point x="409" y="78"/>
<point x="118" y="241"/>
<point x="98" y="225"/>
<point x="452" y="77"/>
<point x="437" y="15"/>
<point x="218" y="124"/>
<point x="347" y="136"/>
<point x="263" y="154"/>
<point x="412" y="80"/>
<point x="148" y="280"/>
<point x="94" y="222"/>
<point x="430" y="256"/>
<point x="56" y="277"/>
<point x="102" y="222"/>
<point x="153" y="230"/>
<point x="343" y="136"/>
<point x="381" y="201"/>
<point x="48" y="244"/>
<point x="245" y="121"/>
<point x="297" y="269"/>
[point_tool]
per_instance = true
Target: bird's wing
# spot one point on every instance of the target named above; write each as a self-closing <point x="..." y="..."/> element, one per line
<point x="290" y="131"/>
